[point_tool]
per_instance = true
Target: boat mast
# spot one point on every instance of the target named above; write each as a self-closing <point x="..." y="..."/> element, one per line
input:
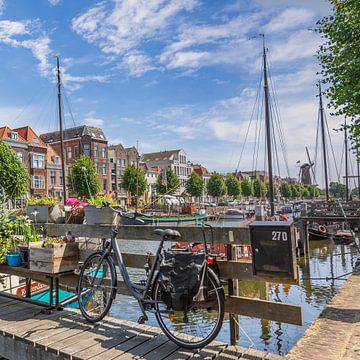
<point x="321" y="109"/>
<point x="346" y="163"/>
<point x="268" y="132"/>
<point x="61" y="128"/>
<point x="358" y="172"/>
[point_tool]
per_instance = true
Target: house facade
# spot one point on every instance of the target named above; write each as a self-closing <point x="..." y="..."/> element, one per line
<point x="54" y="174"/>
<point x="119" y="158"/>
<point x="176" y="159"/>
<point x="87" y="140"/>
<point x="205" y="176"/>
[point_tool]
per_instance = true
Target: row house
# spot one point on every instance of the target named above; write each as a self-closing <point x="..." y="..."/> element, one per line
<point x="37" y="157"/>
<point x="151" y="176"/>
<point x="87" y="140"/>
<point x="176" y="159"/>
<point x="205" y="176"/>
<point x="119" y="158"/>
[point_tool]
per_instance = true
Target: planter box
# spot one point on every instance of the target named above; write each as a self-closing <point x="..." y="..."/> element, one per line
<point x="45" y="213"/>
<point x="98" y="215"/>
<point x="55" y="259"/>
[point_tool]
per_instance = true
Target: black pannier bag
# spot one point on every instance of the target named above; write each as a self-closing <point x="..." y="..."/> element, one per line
<point x="182" y="277"/>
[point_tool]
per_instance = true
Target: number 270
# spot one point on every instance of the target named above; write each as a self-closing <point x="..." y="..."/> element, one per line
<point x="279" y="235"/>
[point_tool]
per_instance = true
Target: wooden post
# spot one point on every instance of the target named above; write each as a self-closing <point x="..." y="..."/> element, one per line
<point x="28" y="287"/>
<point x="304" y="237"/>
<point x="232" y="290"/>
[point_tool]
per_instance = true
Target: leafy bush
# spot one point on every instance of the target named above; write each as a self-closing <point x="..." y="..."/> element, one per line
<point x="43" y="200"/>
<point x="100" y="199"/>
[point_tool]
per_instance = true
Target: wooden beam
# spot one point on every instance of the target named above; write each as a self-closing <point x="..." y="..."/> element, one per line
<point x="145" y="232"/>
<point x="263" y="309"/>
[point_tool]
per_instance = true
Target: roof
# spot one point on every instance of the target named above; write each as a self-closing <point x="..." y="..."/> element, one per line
<point x="201" y="170"/>
<point x="51" y="153"/>
<point x="160" y="155"/>
<point x="30" y="135"/>
<point x="75" y="132"/>
<point x="5" y="134"/>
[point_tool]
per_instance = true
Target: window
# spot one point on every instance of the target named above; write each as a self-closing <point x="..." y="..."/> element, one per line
<point x="123" y="162"/>
<point x="61" y="180"/>
<point x="69" y="153"/>
<point x="104" y="169"/>
<point x="35" y="140"/>
<point x="97" y="167"/>
<point x="37" y="182"/>
<point x="105" y="185"/>
<point x="20" y="156"/>
<point x="13" y="135"/>
<point x="56" y="160"/>
<point x="103" y="153"/>
<point x="87" y="150"/>
<point x="52" y="177"/>
<point x="96" y="151"/>
<point x="111" y="160"/>
<point x="76" y="152"/>
<point x="38" y="161"/>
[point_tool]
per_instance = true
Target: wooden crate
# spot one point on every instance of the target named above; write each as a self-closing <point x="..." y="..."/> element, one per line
<point x="55" y="259"/>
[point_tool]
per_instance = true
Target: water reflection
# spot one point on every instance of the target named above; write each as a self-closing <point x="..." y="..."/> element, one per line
<point x="326" y="260"/>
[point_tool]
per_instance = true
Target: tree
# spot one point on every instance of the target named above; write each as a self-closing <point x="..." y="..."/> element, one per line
<point x="260" y="189"/>
<point x="233" y="186"/>
<point x="313" y="191"/>
<point x="305" y="192"/>
<point x="170" y="185"/>
<point x="337" y="190"/>
<point x="195" y="185"/>
<point x="285" y="190"/>
<point x="216" y="186"/>
<point x="246" y="187"/>
<point x="83" y="179"/>
<point x="295" y="191"/>
<point x="129" y="180"/>
<point x="14" y="178"/>
<point x="339" y="57"/>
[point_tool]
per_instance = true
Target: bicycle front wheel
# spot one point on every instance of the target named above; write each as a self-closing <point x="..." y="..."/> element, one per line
<point x="96" y="287"/>
<point x="200" y="324"/>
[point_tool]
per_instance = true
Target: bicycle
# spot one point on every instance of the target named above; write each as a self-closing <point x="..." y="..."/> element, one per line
<point x="194" y="327"/>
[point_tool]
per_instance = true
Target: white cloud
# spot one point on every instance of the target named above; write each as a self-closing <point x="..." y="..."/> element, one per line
<point x="54" y="2"/>
<point x="136" y="63"/>
<point x="123" y="27"/>
<point x="288" y="19"/>
<point x="93" y="121"/>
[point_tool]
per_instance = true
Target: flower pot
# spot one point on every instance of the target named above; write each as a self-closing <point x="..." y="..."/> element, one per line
<point x="24" y="253"/>
<point x="13" y="259"/>
<point x="98" y="215"/>
<point x="45" y="213"/>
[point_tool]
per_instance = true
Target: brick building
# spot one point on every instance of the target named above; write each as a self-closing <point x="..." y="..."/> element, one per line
<point x="54" y="173"/>
<point x="205" y="176"/>
<point x="87" y="140"/>
<point x="119" y="158"/>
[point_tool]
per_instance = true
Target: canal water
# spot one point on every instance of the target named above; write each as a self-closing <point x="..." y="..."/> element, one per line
<point x="317" y="286"/>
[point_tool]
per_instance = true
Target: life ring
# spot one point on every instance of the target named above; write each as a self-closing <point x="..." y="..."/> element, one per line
<point x="322" y="229"/>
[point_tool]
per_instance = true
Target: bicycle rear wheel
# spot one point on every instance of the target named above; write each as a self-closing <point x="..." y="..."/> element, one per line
<point x="96" y="287"/>
<point x="198" y="326"/>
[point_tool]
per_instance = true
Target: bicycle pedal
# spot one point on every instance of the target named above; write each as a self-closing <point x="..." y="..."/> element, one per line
<point x="142" y="319"/>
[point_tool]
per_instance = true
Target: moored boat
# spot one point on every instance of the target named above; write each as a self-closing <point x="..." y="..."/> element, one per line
<point x="318" y="232"/>
<point x="344" y="237"/>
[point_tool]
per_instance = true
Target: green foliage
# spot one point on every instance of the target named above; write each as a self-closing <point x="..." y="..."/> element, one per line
<point x="83" y="179"/>
<point x="100" y="199"/>
<point x="259" y="187"/>
<point x="129" y="180"/>
<point x="295" y="190"/>
<point x="216" y="186"/>
<point x="285" y="190"/>
<point x="337" y="190"/>
<point x="43" y="200"/>
<point x="195" y="185"/>
<point x="339" y="56"/>
<point x="233" y="186"/>
<point x="172" y="182"/>
<point x="14" y="178"/>
<point x="305" y="192"/>
<point x="313" y="191"/>
<point x="247" y="187"/>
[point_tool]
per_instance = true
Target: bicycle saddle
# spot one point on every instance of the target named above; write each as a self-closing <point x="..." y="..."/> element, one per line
<point x="169" y="233"/>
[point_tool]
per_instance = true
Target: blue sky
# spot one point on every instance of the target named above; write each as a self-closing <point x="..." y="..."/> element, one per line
<point x="171" y="74"/>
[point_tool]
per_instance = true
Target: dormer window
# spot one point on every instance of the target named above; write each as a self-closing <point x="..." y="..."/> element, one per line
<point x="13" y="135"/>
<point x="35" y="140"/>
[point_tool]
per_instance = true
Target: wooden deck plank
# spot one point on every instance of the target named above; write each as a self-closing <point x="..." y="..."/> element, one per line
<point x="128" y="345"/>
<point x="162" y="351"/>
<point x="143" y="349"/>
<point x="210" y="352"/>
<point x="230" y="353"/>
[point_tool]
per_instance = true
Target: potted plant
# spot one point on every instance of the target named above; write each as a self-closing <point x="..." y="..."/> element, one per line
<point x="96" y="213"/>
<point x="74" y="211"/>
<point x="44" y="209"/>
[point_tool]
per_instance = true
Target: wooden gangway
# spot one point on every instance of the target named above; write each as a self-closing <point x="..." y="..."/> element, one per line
<point x="27" y="332"/>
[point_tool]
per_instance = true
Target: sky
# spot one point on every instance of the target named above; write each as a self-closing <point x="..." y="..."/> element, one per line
<point x="166" y="73"/>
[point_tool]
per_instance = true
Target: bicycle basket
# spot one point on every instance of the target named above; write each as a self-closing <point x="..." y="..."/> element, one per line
<point x="181" y="277"/>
